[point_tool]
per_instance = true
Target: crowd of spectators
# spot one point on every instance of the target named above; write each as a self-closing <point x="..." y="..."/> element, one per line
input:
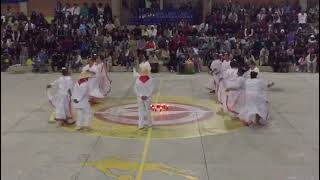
<point x="270" y="35"/>
<point x="280" y="36"/>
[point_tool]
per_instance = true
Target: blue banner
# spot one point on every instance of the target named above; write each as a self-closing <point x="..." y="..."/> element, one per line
<point x="13" y="1"/>
<point x="150" y="16"/>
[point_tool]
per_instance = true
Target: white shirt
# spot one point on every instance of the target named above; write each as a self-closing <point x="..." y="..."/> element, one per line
<point x="3" y="18"/>
<point x="100" y="10"/>
<point x="144" y="32"/>
<point x="216" y="66"/>
<point x="109" y="27"/>
<point x="76" y="10"/>
<point x="246" y="32"/>
<point x="152" y="33"/>
<point x="64" y="84"/>
<point x="302" y="18"/>
<point x="107" y="39"/>
<point x="93" y="68"/>
<point x="143" y="89"/>
<point x="81" y="93"/>
<point x="203" y="26"/>
<point x="225" y="65"/>
<point x="256" y="87"/>
<point x="69" y="11"/>
<point x="308" y="59"/>
<point x="230" y="76"/>
<point x="9" y="43"/>
<point x="255" y="69"/>
<point x="78" y="59"/>
<point x="28" y="27"/>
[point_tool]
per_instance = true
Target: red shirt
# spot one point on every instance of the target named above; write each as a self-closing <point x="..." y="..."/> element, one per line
<point x="173" y="46"/>
<point x="150" y="45"/>
<point x="183" y="40"/>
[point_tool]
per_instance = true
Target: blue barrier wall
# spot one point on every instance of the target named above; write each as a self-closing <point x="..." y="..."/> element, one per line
<point x="149" y="16"/>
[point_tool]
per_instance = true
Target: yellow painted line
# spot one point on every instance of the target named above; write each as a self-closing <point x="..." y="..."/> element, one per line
<point x="147" y="142"/>
<point x="144" y="155"/>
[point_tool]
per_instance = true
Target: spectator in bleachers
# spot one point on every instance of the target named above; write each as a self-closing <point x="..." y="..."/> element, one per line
<point x="84" y="11"/>
<point x="302" y="64"/>
<point x="311" y="62"/>
<point x="264" y="56"/>
<point x="291" y="56"/>
<point x="233" y="28"/>
<point x="76" y="62"/>
<point x="302" y="18"/>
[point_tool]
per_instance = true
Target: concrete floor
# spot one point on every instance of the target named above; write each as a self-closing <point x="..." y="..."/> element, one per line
<point x="33" y="149"/>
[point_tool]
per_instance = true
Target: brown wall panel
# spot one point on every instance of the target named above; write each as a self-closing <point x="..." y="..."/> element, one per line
<point x="47" y="6"/>
<point x="14" y="8"/>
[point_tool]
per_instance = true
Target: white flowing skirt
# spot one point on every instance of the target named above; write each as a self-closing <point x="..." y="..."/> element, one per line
<point x="62" y="106"/>
<point x="221" y="93"/>
<point x="94" y="88"/>
<point x="255" y="104"/>
<point x="211" y="85"/>
<point x="234" y="102"/>
<point x="100" y="86"/>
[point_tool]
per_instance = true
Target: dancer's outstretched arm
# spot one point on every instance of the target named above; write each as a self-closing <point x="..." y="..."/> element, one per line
<point x="270" y="85"/>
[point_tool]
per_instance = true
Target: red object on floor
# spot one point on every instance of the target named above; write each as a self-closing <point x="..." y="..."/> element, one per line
<point x="159" y="107"/>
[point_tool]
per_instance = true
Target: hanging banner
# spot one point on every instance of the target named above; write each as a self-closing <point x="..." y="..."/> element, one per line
<point x="153" y="16"/>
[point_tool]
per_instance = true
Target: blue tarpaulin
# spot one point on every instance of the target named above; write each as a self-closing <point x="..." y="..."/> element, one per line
<point x="12" y="1"/>
<point x="149" y="16"/>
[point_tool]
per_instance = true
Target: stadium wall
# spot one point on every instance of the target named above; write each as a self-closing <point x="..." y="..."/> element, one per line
<point x="47" y="7"/>
<point x="13" y="8"/>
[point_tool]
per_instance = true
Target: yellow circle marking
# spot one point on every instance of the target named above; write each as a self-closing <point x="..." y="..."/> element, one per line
<point x="219" y="123"/>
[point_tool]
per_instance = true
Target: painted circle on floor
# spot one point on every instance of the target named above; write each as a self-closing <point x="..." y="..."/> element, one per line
<point x="185" y="118"/>
<point x="175" y="115"/>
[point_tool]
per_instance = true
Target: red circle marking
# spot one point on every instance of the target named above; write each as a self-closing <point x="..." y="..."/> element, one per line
<point x="176" y="114"/>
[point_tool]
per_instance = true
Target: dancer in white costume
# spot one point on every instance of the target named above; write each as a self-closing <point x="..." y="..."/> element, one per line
<point x="99" y="83"/>
<point x="229" y="79"/>
<point x="61" y="100"/>
<point x="247" y="72"/>
<point x="236" y="94"/>
<point x="226" y="63"/>
<point x="104" y="81"/>
<point x="143" y="89"/>
<point x="81" y="103"/>
<point x="215" y="68"/>
<point x="253" y="67"/>
<point x="224" y="66"/>
<point x="92" y="68"/>
<point x="255" y="109"/>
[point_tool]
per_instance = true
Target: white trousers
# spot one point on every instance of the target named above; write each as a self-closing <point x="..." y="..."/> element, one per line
<point x="144" y="113"/>
<point x="211" y="84"/>
<point x="62" y="107"/>
<point x="84" y="117"/>
<point x="312" y="66"/>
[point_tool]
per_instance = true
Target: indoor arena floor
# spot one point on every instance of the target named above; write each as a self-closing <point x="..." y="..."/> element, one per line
<point x="190" y="141"/>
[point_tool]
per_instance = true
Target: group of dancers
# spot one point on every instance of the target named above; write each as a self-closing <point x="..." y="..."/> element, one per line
<point x="239" y="90"/>
<point x="237" y="87"/>
<point x="92" y="85"/>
